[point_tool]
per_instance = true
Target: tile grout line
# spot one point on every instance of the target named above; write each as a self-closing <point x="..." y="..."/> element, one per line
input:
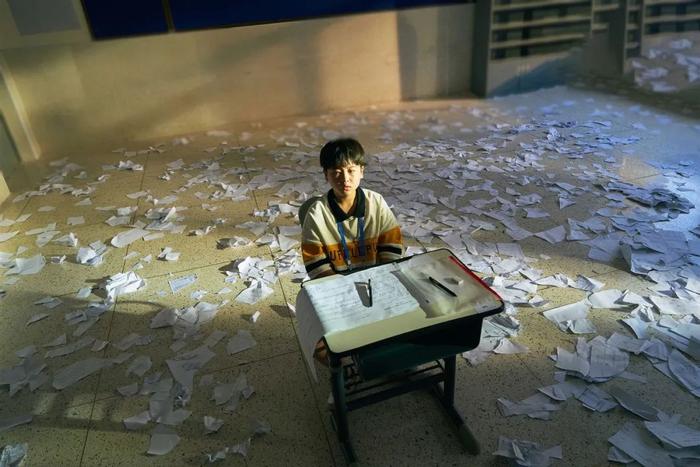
<point x="109" y="331"/>
<point x="299" y="351"/>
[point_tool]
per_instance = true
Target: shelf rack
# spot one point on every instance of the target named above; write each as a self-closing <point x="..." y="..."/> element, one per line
<point x="518" y="37"/>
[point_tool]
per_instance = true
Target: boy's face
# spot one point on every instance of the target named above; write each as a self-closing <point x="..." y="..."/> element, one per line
<point x="344" y="179"/>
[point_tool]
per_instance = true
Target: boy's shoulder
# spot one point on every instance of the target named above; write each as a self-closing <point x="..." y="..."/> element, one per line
<point x="311" y="206"/>
<point x="371" y="194"/>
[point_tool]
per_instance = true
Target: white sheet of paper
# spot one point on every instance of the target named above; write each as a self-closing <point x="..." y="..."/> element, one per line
<point x="128" y="390"/>
<point x="508" y="347"/>
<point x="607" y="361"/>
<point x="184" y="367"/>
<point x="37" y="317"/>
<point x="536" y="406"/>
<point x="564" y="390"/>
<point x="243" y="340"/>
<point x="340" y="307"/>
<point x="137" y="421"/>
<point x="212" y="424"/>
<point x="526" y="452"/>
<point x="140" y="365"/>
<point x="163" y="440"/>
<point x="123" y="283"/>
<point x="606" y="299"/>
<point x="4" y="236"/>
<point x="73" y="373"/>
<point x="27" y="266"/>
<point x="596" y="399"/>
<point x="571" y="317"/>
<point x="675" y="434"/>
<point x="553" y="235"/>
<point x="634" y="404"/>
<point x="640" y="447"/>
<point x="687" y="372"/>
<point x="127" y="237"/>
<point x="181" y="282"/>
<point x="256" y="291"/>
<point x="572" y="362"/>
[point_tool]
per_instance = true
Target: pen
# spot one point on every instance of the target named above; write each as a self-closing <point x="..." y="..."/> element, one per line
<point x="369" y="289"/>
<point x="439" y="285"/>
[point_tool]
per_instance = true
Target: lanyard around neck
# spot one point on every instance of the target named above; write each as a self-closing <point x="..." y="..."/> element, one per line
<point x="344" y="243"/>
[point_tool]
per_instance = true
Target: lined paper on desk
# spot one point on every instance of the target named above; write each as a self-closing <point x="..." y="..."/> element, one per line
<point x="340" y="306"/>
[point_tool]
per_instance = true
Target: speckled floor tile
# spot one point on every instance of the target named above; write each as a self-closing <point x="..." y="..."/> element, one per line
<point x="195" y="251"/>
<point x="67" y="277"/>
<point x="297" y="410"/>
<point x="297" y="436"/>
<point x="16" y="336"/>
<point x="273" y="331"/>
<point x="20" y="308"/>
<point x="10" y="210"/>
<point x="55" y="436"/>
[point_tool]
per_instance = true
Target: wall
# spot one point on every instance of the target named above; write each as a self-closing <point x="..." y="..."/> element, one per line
<point x="27" y="23"/>
<point x="87" y="95"/>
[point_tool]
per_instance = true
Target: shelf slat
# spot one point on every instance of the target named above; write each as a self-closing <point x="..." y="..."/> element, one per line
<point x="667" y="2"/>
<point x="499" y="7"/>
<point x="672" y="18"/>
<point x="538" y="41"/>
<point x="605" y="7"/>
<point x="540" y="22"/>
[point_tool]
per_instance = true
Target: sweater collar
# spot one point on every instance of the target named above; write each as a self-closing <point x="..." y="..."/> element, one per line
<point x="341" y="215"/>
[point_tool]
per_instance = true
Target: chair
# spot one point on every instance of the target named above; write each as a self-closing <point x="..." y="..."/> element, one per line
<point x="423" y="359"/>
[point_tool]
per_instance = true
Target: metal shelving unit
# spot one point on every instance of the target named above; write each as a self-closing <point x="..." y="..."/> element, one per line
<point x="516" y="37"/>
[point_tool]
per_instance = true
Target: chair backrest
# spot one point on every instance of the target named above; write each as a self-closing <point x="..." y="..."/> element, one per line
<point x="304" y="208"/>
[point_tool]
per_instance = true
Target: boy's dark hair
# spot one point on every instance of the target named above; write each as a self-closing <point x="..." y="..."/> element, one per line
<point x="342" y="151"/>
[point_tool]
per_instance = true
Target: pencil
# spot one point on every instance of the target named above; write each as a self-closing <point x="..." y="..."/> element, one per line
<point x="369" y="289"/>
<point x="440" y="286"/>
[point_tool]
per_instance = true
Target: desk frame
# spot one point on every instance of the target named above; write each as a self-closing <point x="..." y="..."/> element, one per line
<point x="343" y="378"/>
<point x="449" y="339"/>
<point x="351" y="391"/>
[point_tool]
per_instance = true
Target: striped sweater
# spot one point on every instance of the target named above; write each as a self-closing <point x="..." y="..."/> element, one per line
<point x="321" y="246"/>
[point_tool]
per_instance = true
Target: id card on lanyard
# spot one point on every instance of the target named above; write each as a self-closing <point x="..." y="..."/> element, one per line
<point x="344" y="243"/>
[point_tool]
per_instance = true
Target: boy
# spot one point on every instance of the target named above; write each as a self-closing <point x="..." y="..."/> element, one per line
<point x="350" y="227"/>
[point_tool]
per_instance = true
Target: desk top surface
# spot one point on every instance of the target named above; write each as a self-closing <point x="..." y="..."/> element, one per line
<point x="417" y="301"/>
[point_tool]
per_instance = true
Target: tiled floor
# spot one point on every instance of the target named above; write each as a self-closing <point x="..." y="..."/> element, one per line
<point x="409" y="144"/>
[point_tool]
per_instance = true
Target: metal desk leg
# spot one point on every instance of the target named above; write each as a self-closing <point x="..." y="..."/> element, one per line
<point x="449" y="384"/>
<point x="447" y="397"/>
<point x="340" y="410"/>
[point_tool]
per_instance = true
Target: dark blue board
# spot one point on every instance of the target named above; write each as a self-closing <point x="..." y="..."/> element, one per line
<point x="200" y="14"/>
<point x="108" y="18"/>
<point x="121" y="18"/>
